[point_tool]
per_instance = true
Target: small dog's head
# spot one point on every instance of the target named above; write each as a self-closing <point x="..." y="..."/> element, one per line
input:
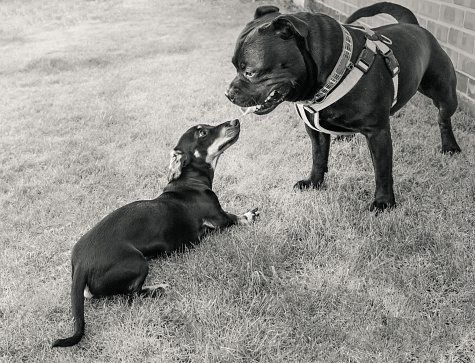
<point x="202" y="145"/>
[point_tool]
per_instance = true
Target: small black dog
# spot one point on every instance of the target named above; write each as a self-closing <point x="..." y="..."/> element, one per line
<point x="111" y="258"/>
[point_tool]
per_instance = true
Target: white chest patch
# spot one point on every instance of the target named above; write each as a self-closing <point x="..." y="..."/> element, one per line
<point x="87" y="293"/>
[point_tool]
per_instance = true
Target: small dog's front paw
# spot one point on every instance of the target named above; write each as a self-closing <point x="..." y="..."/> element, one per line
<point x="250" y="216"/>
<point x="154" y="290"/>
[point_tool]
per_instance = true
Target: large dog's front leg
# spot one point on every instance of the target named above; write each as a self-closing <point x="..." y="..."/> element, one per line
<point x="320" y="151"/>
<point x="380" y="146"/>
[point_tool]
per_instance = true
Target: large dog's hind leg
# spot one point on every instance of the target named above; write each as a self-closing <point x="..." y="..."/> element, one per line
<point x="449" y="144"/>
<point x="380" y="146"/>
<point x="320" y="151"/>
<point x="439" y="84"/>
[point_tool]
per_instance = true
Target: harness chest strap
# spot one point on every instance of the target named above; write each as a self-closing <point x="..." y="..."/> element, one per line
<point x="362" y="66"/>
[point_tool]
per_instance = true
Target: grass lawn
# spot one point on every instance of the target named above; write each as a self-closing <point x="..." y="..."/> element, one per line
<point x="94" y="96"/>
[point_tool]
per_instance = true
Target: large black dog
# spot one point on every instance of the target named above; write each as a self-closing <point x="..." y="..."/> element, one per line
<point x="111" y="258"/>
<point x="344" y="79"/>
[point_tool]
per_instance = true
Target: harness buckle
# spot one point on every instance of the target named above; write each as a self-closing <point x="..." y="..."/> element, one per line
<point x="371" y="36"/>
<point x="391" y="62"/>
<point x="309" y="109"/>
<point x="365" y="60"/>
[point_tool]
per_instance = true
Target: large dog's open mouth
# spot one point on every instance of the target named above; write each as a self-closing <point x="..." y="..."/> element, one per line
<point x="274" y="99"/>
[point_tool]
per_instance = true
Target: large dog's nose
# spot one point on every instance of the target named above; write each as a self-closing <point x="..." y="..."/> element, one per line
<point x="230" y="94"/>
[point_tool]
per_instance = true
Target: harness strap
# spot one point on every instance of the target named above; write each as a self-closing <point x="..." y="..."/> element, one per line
<point x="374" y="43"/>
<point x="380" y="41"/>
<point x="340" y="67"/>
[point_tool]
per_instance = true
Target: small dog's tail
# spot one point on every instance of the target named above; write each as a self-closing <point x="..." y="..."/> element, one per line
<point x="398" y="12"/>
<point x="77" y="304"/>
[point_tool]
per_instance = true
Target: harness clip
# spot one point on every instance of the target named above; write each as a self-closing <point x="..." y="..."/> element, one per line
<point x="309" y="109"/>
<point x="391" y="62"/>
<point x="365" y="60"/>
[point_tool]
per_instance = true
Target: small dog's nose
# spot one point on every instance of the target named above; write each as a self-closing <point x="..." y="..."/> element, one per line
<point x="234" y="122"/>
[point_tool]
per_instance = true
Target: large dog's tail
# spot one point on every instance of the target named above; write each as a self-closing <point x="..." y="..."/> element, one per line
<point x="77" y="304"/>
<point x="400" y="13"/>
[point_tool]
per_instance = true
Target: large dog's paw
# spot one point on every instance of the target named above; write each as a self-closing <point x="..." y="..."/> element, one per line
<point x="380" y="207"/>
<point x="249" y="216"/>
<point x="451" y="150"/>
<point x="308" y="184"/>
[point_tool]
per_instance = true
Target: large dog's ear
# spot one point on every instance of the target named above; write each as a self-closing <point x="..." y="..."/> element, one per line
<point x="289" y="25"/>
<point x="266" y="9"/>
<point x="178" y="160"/>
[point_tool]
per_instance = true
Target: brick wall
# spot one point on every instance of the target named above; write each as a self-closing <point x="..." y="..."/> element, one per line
<point x="451" y="21"/>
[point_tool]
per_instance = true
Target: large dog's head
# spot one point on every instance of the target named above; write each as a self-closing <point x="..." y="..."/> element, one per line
<point x="201" y="146"/>
<point x="269" y="61"/>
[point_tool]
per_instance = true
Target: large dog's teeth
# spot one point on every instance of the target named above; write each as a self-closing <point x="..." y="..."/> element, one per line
<point x="270" y="96"/>
<point x="248" y="110"/>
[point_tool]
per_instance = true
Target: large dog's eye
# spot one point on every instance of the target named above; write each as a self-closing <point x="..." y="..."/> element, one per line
<point x="203" y="133"/>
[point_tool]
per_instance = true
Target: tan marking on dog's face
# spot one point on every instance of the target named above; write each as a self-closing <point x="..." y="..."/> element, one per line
<point x="213" y="152"/>
<point x="205" y="143"/>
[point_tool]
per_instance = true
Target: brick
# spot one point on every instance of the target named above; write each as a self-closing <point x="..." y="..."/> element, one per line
<point x="471" y="88"/>
<point x="331" y="3"/>
<point x="439" y="31"/>
<point x="469" y="22"/>
<point x="338" y="5"/>
<point x="410" y="4"/>
<point x="379" y="21"/>
<point x="462" y="82"/>
<point x="363" y="3"/>
<point x="466" y="64"/>
<point x="467" y="104"/>
<point x="301" y="3"/>
<point x="422" y="22"/>
<point x="453" y="55"/>
<point x="461" y="40"/>
<point x="451" y="15"/>
<point x="466" y="3"/>
<point x="429" y="9"/>
<point x="413" y="5"/>
<point x="350" y="9"/>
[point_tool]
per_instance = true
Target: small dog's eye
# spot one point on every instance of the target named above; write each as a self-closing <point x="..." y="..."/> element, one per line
<point x="203" y="133"/>
<point x="249" y="74"/>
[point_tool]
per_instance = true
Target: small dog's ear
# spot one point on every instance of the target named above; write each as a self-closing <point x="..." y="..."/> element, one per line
<point x="178" y="160"/>
<point x="266" y="9"/>
<point x="289" y="25"/>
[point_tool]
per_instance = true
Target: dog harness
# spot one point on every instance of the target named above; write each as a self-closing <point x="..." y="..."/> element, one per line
<point x="375" y="43"/>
